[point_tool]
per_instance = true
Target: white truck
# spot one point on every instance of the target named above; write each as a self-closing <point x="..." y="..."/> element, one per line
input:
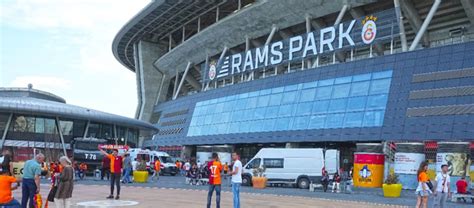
<point x="167" y="164"/>
<point x="297" y="167"/>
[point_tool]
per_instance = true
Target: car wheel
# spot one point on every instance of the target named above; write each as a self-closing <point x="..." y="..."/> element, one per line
<point x="246" y="180"/>
<point x="303" y="183"/>
<point x="173" y="174"/>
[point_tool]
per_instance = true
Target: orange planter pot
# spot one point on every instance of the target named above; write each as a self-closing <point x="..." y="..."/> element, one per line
<point x="259" y="182"/>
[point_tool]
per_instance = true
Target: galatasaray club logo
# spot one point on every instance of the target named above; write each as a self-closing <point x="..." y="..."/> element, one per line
<point x="365" y="172"/>
<point x="212" y="70"/>
<point x="369" y="30"/>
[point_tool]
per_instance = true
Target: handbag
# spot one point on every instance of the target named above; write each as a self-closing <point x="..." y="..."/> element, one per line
<point x="52" y="193"/>
<point x="430" y="185"/>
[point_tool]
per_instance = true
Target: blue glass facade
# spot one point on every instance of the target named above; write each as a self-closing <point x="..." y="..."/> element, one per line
<point x="343" y="102"/>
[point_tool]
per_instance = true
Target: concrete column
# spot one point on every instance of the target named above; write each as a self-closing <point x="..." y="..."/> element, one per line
<point x="150" y="80"/>
<point x="292" y="145"/>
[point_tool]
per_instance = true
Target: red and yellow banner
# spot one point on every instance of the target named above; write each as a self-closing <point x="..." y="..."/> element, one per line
<point x="368" y="170"/>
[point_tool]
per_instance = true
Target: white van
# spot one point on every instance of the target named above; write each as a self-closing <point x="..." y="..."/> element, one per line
<point x="289" y="166"/>
<point x="167" y="163"/>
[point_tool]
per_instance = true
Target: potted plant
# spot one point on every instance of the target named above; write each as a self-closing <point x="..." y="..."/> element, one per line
<point x="391" y="187"/>
<point x="259" y="181"/>
<point x="141" y="174"/>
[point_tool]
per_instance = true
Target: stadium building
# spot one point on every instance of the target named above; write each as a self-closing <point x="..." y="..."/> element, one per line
<point x="215" y="75"/>
<point x="33" y="121"/>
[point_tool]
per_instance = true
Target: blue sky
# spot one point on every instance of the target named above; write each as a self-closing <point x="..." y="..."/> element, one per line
<point x="64" y="47"/>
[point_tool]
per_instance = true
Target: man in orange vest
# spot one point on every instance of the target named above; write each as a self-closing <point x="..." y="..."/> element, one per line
<point x="157" y="168"/>
<point x="82" y="170"/>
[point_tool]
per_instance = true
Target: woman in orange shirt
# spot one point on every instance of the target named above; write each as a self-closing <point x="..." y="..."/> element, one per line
<point x="423" y="190"/>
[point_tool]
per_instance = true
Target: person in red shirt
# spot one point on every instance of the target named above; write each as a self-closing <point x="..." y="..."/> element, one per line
<point x="461" y="186"/>
<point x="215" y="169"/>
<point x="115" y="170"/>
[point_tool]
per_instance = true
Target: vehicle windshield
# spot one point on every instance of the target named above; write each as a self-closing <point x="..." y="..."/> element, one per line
<point x="166" y="159"/>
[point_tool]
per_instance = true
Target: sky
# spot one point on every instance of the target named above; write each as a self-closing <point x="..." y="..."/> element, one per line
<point x="65" y="47"/>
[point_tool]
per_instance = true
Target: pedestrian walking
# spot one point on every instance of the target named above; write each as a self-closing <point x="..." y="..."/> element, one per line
<point x="215" y="169"/>
<point x="127" y="168"/>
<point x="31" y="180"/>
<point x="7" y="185"/>
<point x="115" y="171"/>
<point x="105" y="168"/>
<point x="442" y="190"/>
<point x="236" y="178"/>
<point x="156" y="169"/>
<point x="62" y="198"/>
<point x="423" y="189"/>
<point x="325" y="181"/>
<point x="336" y="181"/>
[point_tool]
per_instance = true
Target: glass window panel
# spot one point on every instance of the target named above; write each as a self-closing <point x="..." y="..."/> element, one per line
<point x="228" y="106"/>
<point x="361" y="77"/>
<point x="265" y="91"/>
<point x="291" y="88"/>
<point x="360" y="88"/>
<point x="216" y="118"/>
<point x="334" y="120"/>
<point x="373" y="118"/>
<point x="382" y="74"/>
<point x="307" y="95"/>
<point x="256" y="126"/>
<point x="271" y="112"/>
<point x="39" y="125"/>
<point x="277" y="90"/>
<point x="248" y="114"/>
<point x="286" y="110"/>
<point x="225" y="117"/>
<point x="275" y="99"/>
<point x="376" y="102"/>
<point x="24" y="124"/>
<point x="304" y="109"/>
<point x="66" y="127"/>
<point x="356" y="103"/>
<point x="341" y="91"/>
<point x="324" y="93"/>
<point x="243" y="95"/>
<point x="320" y="106"/>
<point x="289" y="97"/>
<point x="259" y="113"/>
<point x="49" y="126"/>
<point x="338" y="105"/>
<point x="254" y="94"/>
<point x="342" y="80"/>
<point x="221" y="99"/>
<point x="244" y="127"/>
<point x="326" y="82"/>
<point x="213" y="101"/>
<point x="241" y="104"/>
<point x="233" y="127"/>
<point x="379" y="86"/>
<point x="252" y="102"/>
<point x="353" y="119"/>
<point x="210" y="109"/>
<point x="268" y="124"/>
<point x="301" y="122"/>
<point x="222" y="128"/>
<point x="218" y="108"/>
<point x="317" y="122"/>
<point x="208" y="119"/>
<point x="310" y="85"/>
<point x="282" y="124"/>
<point x="263" y="101"/>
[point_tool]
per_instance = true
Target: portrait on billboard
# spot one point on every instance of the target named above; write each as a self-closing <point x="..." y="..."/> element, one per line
<point x="457" y="163"/>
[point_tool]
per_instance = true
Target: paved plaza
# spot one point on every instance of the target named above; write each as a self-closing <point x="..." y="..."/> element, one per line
<point x="172" y="191"/>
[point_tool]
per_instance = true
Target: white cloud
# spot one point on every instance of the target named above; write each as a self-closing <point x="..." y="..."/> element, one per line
<point x="89" y="27"/>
